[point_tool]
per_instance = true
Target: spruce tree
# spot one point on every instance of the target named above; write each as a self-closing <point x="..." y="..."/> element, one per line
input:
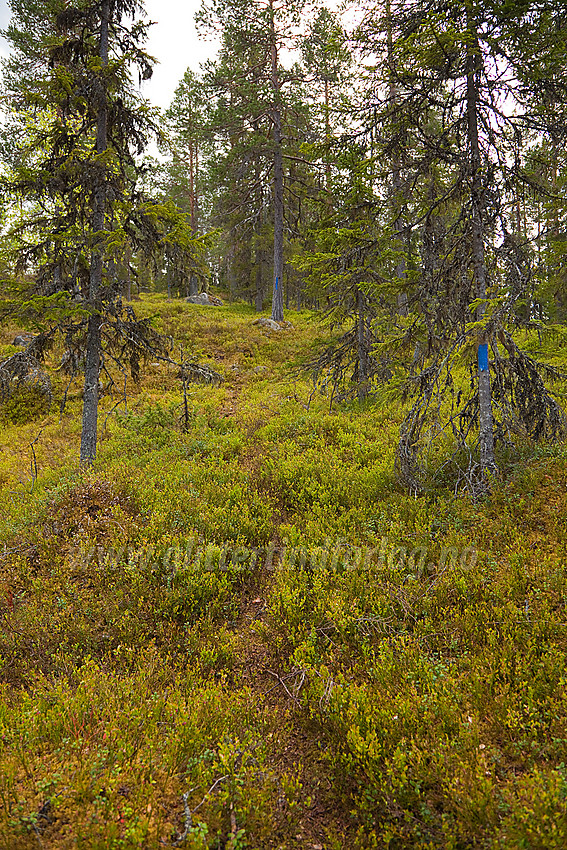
<point x="452" y="106"/>
<point x="75" y="173"/>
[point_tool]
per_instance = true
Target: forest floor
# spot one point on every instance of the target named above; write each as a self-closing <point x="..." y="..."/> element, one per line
<point x="245" y="634"/>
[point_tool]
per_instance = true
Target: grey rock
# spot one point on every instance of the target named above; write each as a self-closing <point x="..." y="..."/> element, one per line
<point x="205" y="300"/>
<point x="23" y="370"/>
<point x="23" y="340"/>
<point x="267" y="323"/>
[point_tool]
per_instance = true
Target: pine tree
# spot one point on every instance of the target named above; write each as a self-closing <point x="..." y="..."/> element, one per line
<point x="237" y="173"/>
<point x="252" y="82"/>
<point x="327" y="61"/>
<point x="189" y="146"/>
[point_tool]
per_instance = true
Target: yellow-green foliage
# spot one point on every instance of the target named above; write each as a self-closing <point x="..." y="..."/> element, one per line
<point x="250" y="621"/>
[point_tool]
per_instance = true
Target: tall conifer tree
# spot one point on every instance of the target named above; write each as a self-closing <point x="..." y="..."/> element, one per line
<point x="255" y="33"/>
<point x="451" y="98"/>
<point x="75" y="170"/>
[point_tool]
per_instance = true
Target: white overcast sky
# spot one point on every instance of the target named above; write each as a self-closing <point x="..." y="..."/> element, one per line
<point x="172" y="41"/>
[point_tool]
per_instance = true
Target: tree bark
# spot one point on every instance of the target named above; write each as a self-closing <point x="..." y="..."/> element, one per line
<point x="128" y="282"/>
<point x="258" y="250"/>
<point x="400" y="270"/>
<point x="192" y="186"/>
<point x="486" y="418"/>
<point x="193" y="279"/>
<point x="277" y="297"/>
<point x="327" y="144"/>
<point x="259" y="295"/>
<point x="432" y="237"/>
<point x="361" y="346"/>
<point x="231" y="272"/>
<point x="92" y="361"/>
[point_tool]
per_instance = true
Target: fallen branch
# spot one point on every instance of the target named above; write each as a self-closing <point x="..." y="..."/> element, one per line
<point x="189" y="813"/>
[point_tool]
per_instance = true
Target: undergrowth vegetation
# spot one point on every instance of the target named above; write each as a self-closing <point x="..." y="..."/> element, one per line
<point x="239" y="630"/>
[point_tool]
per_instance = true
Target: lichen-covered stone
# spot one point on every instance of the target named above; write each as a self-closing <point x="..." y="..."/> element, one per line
<point x="25" y="388"/>
<point x="205" y="300"/>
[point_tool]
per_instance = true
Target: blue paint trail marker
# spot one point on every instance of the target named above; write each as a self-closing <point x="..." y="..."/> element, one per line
<point x="483" y="357"/>
<point x="276" y="284"/>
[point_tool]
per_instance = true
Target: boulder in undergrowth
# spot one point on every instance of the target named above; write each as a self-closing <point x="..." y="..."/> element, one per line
<point x="272" y="325"/>
<point x="22" y="340"/>
<point x="25" y="388"/>
<point x="205" y="299"/>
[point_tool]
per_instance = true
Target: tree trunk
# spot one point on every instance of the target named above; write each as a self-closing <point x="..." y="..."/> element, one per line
<point x="277" y="297"/>
<point x="193" y="285"/>
<point x="192" y="186"/>
<point x="259" y="251"/>
<point x="259" y="297"/>
<point x="486" y="419"/>
<point x="433" y="237"/>
<point x="400" y="270"/>
<point x="193" y="200"/>
<point x="92" y="361"/>
<point x="196" y="190"/>
<point x="553" y="224"/>
<point x="231" y="273"/>
<point x="128" y="286"/>
<point x="327" y="144"/>
<point x="361" y="346"/>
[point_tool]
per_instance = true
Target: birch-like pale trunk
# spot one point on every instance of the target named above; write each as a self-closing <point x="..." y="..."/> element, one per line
<point x="92" y="360"/>
<point x="486" y="418"/>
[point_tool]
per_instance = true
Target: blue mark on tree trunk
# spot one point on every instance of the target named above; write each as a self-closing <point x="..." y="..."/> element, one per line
<point x="483" y="357"/>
